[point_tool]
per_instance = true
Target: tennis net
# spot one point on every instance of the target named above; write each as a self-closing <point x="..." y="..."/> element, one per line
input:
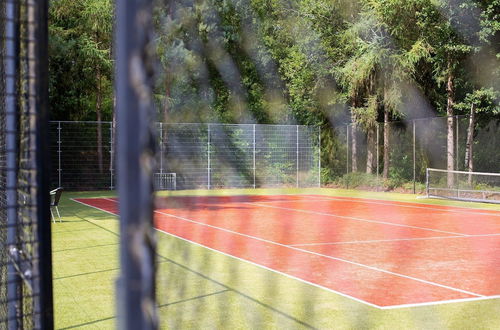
<point x="462" y="185"/>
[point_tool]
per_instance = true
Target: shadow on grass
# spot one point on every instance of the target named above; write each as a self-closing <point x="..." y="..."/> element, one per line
<point x="227" y="288"/>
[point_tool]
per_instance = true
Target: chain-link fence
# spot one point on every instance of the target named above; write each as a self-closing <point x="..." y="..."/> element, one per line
<point x="205" y="156"/>
<point x="397" y="154"/>
<point x="25" y="260"/>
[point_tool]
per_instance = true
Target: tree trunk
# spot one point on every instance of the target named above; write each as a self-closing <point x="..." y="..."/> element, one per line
<point x="98" y="109"/>
<point x="469" y="163"/>
<point x="354" y="142"/>
<point x="385" y="173"/>
<point x="167" y="98"/>
<point x="450" y="91"/>
<point x="369" y="150"/>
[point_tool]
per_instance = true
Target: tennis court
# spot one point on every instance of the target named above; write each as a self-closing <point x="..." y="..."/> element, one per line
<point x="386" y="254"/>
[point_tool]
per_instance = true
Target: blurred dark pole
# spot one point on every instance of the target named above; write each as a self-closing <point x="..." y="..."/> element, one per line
<point x="38" y="13"/>
<point x="135" y="163"/>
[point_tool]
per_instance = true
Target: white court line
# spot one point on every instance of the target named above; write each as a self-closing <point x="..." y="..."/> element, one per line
<point x="394" y="240"/>
<point x="356" y="218"/>
<point x="440" y="302"/>
<point x="392" y="203"/>
<point x="317" y="254"/>
<point x="479" y="297"/>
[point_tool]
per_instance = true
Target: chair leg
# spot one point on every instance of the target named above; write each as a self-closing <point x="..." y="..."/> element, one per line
<point x="52" y="216"/>
<point x="58" y="214"/>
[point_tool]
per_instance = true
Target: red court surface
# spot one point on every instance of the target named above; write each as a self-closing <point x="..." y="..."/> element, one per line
<point x="382" y="253"/>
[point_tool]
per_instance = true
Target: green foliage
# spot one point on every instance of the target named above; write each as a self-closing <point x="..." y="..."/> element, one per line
<point x="80" y="38"/>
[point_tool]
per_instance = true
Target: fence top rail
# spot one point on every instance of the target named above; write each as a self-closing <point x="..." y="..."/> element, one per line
<point x="408" y="121"/>
<point x="211" y="124"/>
<point x="462" y="172"/>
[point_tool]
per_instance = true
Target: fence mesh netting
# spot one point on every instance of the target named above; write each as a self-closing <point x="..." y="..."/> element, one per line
<point x="3" y="197"/>
<point x="396" y="155"/>
<point x="206" y="156"/>
<point x="20" y="306"/>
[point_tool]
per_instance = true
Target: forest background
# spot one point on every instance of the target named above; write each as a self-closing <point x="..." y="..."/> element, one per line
<point x="311" y="62"/>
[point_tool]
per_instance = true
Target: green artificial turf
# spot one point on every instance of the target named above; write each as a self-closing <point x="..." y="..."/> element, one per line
<point x="201" y="289"/>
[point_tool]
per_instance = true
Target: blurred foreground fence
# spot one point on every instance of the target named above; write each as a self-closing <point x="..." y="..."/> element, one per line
<point x="25" y="233"/>
<point x="205" y="156"/>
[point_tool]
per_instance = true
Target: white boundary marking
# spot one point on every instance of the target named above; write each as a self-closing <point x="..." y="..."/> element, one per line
<point x="356" y="218"/>
<point x="394" y="240"/>
<point x="317" y="254"/>
<point x="478" y="298"/>
<point x="406" y="204"/>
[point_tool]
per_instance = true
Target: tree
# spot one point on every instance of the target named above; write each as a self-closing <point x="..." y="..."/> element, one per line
<point x="81" y="62"/>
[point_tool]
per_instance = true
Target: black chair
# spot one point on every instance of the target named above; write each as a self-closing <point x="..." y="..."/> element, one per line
<point x="55" y="196"/>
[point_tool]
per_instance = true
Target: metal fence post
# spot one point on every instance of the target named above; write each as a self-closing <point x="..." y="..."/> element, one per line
<point x="254" y="168"/>
<point x="378" y="160"/>
<point x="111" y="155"/>
<point x="59" y="169"/>
<point x="297" y="158"/>
<point x="347" y="155"/>
<point x="161" y="148"/>
<point x="427" y="181"/>
<point x="136" y="140"/>
<point x="414" y="161"/>
<point x="319" y="157"/>
<point x="456" y="143"/>
<point x="208" y="159"/>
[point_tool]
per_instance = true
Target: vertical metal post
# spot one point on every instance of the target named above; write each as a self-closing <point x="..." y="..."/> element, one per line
<point x="136" y="140"/>
<point x="208" y="158"/>
<point x="161" y="148"/>
<point x="347" y="155"/>
<point x="456" y="144"/>
<point x="427" y="181"/>
<point x="297" y="158"/>
<point x="456" y="179"/>
<point x="11" y="131"/>
<point x="254" y="167"/>
<point x="378" y="160"/>
<point x="414" y="160"/>
<point x="111" y="155"/>
<point x="319" y="157"/>
<point x="43" y="266"/>
<point x="59" y="169"/>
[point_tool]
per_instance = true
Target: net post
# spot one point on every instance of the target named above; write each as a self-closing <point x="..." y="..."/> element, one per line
<point x="59" y="169"/>
<point x="136" y="142"/>
<point x="254" y="168"/>
<point x="414" y="160"/>
<point x="297" y="159"/>
<point x="208" y="158"/>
